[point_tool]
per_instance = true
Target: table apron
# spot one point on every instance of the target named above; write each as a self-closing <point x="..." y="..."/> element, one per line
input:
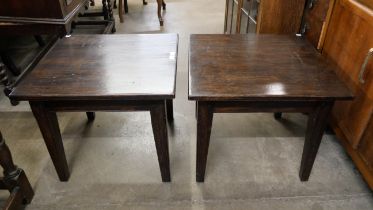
<point x="81" y="106"/>
<point x="262" y="106"/>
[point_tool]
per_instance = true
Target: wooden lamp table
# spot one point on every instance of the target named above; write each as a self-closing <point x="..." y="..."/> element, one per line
<point x="103" y="73"/>
<point x="264" y="73"/>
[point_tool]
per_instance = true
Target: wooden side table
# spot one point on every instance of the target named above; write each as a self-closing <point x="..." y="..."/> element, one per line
<point x="103" y="73"/>
<point x="264" y="73"/>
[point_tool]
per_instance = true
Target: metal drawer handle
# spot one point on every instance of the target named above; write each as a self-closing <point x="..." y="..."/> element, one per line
<point x="364" y="66"/>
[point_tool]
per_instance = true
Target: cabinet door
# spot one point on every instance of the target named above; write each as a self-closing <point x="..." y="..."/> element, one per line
<point x="348" y="40"/>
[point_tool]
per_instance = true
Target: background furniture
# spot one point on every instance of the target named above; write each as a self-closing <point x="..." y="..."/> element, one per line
<point x="123" y="3"/>
<point x="101" y="80"/>
<point x="256" y="78"/>
<point x="349" y="43"/>
<point x="315" y="21"/>
<point x="54" y="18"/>
<point x="263" y="16"/>
<point x="14" y="180"/>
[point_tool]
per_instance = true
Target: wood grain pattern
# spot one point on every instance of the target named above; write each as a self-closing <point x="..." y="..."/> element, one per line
<point x="349" y="55"/>
<point x="262" y="67"/>
<point x="104" y="67"/>
<point x="280" y="16"/>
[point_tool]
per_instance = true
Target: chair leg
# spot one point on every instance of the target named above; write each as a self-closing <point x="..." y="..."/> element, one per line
<point x="160" y="12"/>
<point x="164" y="5"/>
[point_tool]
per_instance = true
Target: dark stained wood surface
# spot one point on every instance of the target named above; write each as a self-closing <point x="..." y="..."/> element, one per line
<point x="260" y="67"/>
<point x="104" y="67"/>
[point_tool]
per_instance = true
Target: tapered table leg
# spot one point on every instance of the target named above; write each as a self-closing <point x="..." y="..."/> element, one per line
<point x="317" y="122"/>
<point x="170" y="110"/>
<point x="158" y="118"/>
<point x="50" y="130"/>
<point x="204" y="123"/>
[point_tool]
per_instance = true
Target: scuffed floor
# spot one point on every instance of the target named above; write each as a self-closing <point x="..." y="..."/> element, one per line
<point x="253" y="159"/>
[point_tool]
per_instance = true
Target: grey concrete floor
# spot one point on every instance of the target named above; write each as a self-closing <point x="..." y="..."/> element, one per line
<point x="253" y="159"/>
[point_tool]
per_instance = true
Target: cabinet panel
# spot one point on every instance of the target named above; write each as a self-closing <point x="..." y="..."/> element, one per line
<point x="347" y="43"/>
<point x="280" y="16"/>
<point x="366" y="146"/>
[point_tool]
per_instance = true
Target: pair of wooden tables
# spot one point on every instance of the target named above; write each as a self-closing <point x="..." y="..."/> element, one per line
<point x="227" y="73"/>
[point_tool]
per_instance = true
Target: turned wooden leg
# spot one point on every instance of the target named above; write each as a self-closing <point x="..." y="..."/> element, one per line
<point x="317" y="122"/>
<point x="160" y="12"/>
<point x="158" y="118"/>
<point x="14" y="179"/>
<point x="48" y="125"/>
<point x="144" y="2"/>
<point x="277" y="115"/>
<point x="120" y="11"/>
<point x="91" y="116"/>
<point x="204" y="123"/>
<point x="170" y="110"/>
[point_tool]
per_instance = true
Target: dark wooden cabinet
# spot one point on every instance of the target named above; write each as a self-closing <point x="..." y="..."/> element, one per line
<point x="263" y="16"/>
<point x="50" y="16"/>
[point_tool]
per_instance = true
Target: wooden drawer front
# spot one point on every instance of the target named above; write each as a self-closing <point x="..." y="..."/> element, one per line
<point x="348" y="40"/>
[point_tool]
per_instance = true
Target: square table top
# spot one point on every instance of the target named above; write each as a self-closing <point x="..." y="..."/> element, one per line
<point x="104" y="67"/>
<point x="260" y="67"/>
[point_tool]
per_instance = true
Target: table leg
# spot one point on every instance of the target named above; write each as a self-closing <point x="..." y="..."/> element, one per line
<point x="204" y="123"/>
<point x="163" y="5"/>
<point x="144" y="2"/>
<point x="50" y="130"/>
<point x="158" y="118"/>
<point x="91" y="116"/>
<point x="317" y="122"/>
<point x="170" y="110"/>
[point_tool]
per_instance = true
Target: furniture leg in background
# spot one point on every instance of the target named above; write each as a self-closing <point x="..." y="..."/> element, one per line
<point x="14" y="180"/>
